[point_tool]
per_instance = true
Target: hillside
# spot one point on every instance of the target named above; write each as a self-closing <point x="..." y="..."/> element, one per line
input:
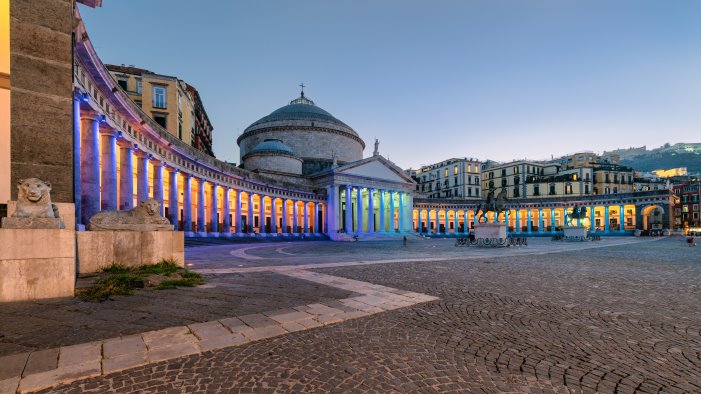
<point x="665" y="160"/>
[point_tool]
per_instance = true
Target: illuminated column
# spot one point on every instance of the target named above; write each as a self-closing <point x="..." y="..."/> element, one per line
<point x="295" y="217"/>
<point x="592" y="221"/>
<point x="530" y="221"/>
<point x="201" y="228"/>
<point x="445" y="221"/>
<point x="518" y="221"/>
<point x="250" y="213"/>
<point x="621" y="224"/>
<point x="496" y="217"/>
<point x="126" y="177"/>
<point x="540" y="220"/>
<point x="90" y="170"/>
<point x="187" y="203"/>
<point x="402" y="214"/>
<point x="214" y="220"/>
<point x="108" y="173"/>
<point x="359" y="213"/>
<point x="428" y="221"/>
<point x="349" y="210"/>
<point x="420" y="221"/>
<point x="273" y="215"/>
<point x="475" y="218"/>
<point x="371" y="210"/>
<point x="158" y="183"/>
<point x="456" y="225"/>
<point x="507" y="217"/>
<point x="226" y="212"/>
<point x="382" y="211"/>
<point x="391" y="212"/>
<point x="564" y="215"/>
<point x="333" y="210"/>
<point x="77" y="168"/>
<point x="173" y="194"/>
<point x="142" y="187"/>
<point x="284" y="216"/>
<point x="237" y="220"/>
<point x="552" y="220"/>
<point x="305" y="218"/>
<point x="606" y="219"/>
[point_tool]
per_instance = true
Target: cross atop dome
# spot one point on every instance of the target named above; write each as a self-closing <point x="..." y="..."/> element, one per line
<point x="301" y="99"/>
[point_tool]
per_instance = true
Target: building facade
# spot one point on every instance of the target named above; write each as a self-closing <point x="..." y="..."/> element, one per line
<point x="452" y="178"/>
<point x="686" y="213"/>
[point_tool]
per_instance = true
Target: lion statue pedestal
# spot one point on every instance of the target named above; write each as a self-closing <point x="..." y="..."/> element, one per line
<point x="145" y="217"/>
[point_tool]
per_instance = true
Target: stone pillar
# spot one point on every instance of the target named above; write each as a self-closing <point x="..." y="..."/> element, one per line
<point x="284" y="216"/>
<point x="382" y="211"/>
<point x="332" y="207"/>
<point x="428" y="221"/>
<point x="251" y="222"/>
<point x="187" y="203"/>
<point x="226" y="211"/>
<point x="201" y="223"/>
<point x="518" y="221"/>
<point x="402" y="214"/>
<point x="466" y="222"/>
<point x="419" y="221"/>
<point x="158" y="183"/>
<point x="90" y="169"/>
<point x="238" y="223"/>
<point x="552" y="220"/>
<point x="606" y="219"/>
<point x="108" y="172"/>
<point x="77" y="183"/>
<point x="359" y="216"/>
<point x="173" y="196"/>
<point x="305" y="219"/>
<point x="349" y="210"/>
<point x="540" y="220"/>
<point x="295" y="216"/>
<point x="213" y="209"/>
<point x="621" y="218"/>
<point x="391" y="212"/>
<point x="564" y="214"/>
<point x="126" y="177"/>
<point x="142" y="186"/>
<point x="371" y="210"/>
<point x="592" y="220"/>
<point x="456" y="222"/>
<point x="273" y="215"/>
<point x="530" y="221"/>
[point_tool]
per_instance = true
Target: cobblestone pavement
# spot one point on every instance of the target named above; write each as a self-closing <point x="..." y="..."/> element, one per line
<point x="610" y="319"/>
<point x="47" y="324"/>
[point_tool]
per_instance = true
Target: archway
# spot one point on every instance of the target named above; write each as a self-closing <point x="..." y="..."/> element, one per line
<point x="652" y="216"/>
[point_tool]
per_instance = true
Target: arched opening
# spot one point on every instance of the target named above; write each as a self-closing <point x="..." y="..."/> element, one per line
<point x="652" y="217"/>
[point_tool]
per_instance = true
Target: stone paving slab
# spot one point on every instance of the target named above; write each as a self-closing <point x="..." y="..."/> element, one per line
<point x="42" y="369"/>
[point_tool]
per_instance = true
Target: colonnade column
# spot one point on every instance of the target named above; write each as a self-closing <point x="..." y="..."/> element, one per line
<point x="349" y="210"/>
<point x="250" y="212"/>
<point x="475" y="218"/>
<point x="142" y="187"/>
<point x="552" y="220"/>
<point x="391" y="212"/>
<point x="284" y="215"/>
<point x="621" y="217"/>
<point x="402" y="214"/>
<point x="456" y="221"/>
<point x="158" y="183"/>
<point x="77" y="184"/>
<point x="237" y="220"/>
<point x="518" y="221"/>
<point x="108" y="176"/>
<point x="187" y="203"/>
<point x="306" y="217"/>
<point x="428" y="221"/>
<point x="382" y="211"/>
<point x="225" y="210"/>
<point x="173" y="209"/>
<point x="201" y="228"/>
<point x="592" y="220"/>
<point x="273" y="215"/>
<point x="126" y="177"/>
<point x="419" y="221"/>
<point x="295" y="214"/>
<point x="530" y="220"/>
<point x="606" y="218"/>
<point x="564" y="215"/>
<point x="90" y="170"/>
<point x="371" y="210"/>
<point x="213" y="210"/>
<point x="359" y="215"/>
<point x="540" y="220"/>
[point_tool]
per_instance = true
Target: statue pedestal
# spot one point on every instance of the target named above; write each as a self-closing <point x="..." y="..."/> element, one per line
<point x="52" y="223"/>
<point x="490" y="230"/>
<point x="578" y="231"/>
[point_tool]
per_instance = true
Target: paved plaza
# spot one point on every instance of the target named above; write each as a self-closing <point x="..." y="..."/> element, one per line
<point x="619" y="315"/>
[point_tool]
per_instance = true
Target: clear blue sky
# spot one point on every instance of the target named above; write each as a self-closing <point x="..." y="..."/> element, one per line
<point x="431" y="79"/>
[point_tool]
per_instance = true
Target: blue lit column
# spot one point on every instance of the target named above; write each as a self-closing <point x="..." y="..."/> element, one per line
<point x="530" y="221"/>
<point x="402" y="214"/>
<point x="273" y="215"/>
<point x="225" y="212"/>
<point x="518" y="220"/>
<point x="428" y="221"/>
<point x="552" y="220"/>
<point x="606" y="219"/>
<point x="382" y="211"/>
<point x="285" y="216"/>
<point x="621" y="224"/>
<point x="420" y="222"/>
<point x="371" y="210"/>
<point x="187" y="203"/>
<point x="592" y="221"/>
<point x="201" y="228"/>
<point x="237" y="219"/>
<point x="306" y="217"/>
<point x="142" y="187"/>
<point x="359" y="213"/>
<point x="77" y="168"/>
<point x="108" y="173"/>
<point x="126" y="176"/>
<point x="475" y="218"/>
<point x="295" y="217"/>
<point x="540" y="220"/>
<point x="158" y="183"/>
<point x="564" y="214"/>
<point x="456" y="222"/>
<point x="173" y="196"/>
<point x="213" y="210"/>
<point x="349" y="210"/>
<point x="507" y="217"/>
<point x="250" y="213"/>
<point x="391" y="212"/>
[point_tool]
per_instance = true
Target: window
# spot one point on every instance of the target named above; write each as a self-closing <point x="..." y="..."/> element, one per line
<point x="455" y="170"/>
<point x="574" y="176"/>
<point x="123" y="84"/>
<point x="536" y="190"/>
<point x="180" y="130"/>
<point x="568" y="188"/>
<point x="138" y="102"/>
<point x="586" y="189"/>
<point x="161" y="120"/>
<point x="516" y="192"/>
<point x="469" y="191"/>
<point x="503" y="172"/>
<point x="552" y="190"/>
<point x="615" y="190"/>
<point x="446" y="172"/>
<point x="159" y="96"/>
<point x="138" y="86"/>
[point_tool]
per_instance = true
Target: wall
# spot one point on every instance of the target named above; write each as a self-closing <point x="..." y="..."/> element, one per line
<point x="4" y="101"/>
<point x="41" y="139"/>
<point x="272" y="162"/>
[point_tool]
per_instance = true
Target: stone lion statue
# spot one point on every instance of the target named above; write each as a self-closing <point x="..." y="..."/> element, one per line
<point x="34" y="199"/>
<point x="145" y="217"/>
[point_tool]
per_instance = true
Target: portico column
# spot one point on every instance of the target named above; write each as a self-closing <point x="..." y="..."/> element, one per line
<point x="306" y="217"/>
<point x="428" y="221"/>
<point x="420" y="222"/>
<point x="349" y="210"/>
<point x="126" y="177"/>
<point x="564" y="213"/>
<point x="201" y="228"/>
<point x="518" y="220"/>
<point x="142" y="186"/>
<point x="77" y="183"/>
<point x="371" y="210"/>
<point x="621" y="217"/>
<point x="391" y="212"/>
<point x="158" y="183"/>
<point x="456" y="221"/>
<point x="359" y="215"/>
<point x="284" y="216"/>
<point x="108" y="177"/>
<point x="540" y="220"/>
<point x="475" y="218"/>
<point x="606" y="218"/>
<point x="173" y="195"/>
<point x="187" y="203"/>
<point x="552" y="220"/>
<point x="90" y="170"/>
<point x="250" y="212"/>
<point x="592" y="221"/>
<point x="530" y="221"/>
<point x="226" y="220"/>
<point x="213" y="210"/>
<point x="295" y="216"/>
<point x="445" y="221"/>
<point x="382" y="211"/>
<point x="402" y="214"/>
<point x="273" y="215"/>
<point x="237" y="221"/>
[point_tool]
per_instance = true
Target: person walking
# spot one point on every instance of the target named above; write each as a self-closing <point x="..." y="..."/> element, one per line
<point x="404" y="241"/>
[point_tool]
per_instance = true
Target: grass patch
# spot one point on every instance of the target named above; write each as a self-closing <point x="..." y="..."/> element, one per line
<point x="120" y="280"/>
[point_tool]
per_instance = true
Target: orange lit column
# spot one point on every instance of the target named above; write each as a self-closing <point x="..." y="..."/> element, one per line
<point x="126" y="176"/>
<point x="142" y="187"/>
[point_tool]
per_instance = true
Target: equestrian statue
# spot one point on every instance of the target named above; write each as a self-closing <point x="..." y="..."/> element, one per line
<point x="492" y="204"/>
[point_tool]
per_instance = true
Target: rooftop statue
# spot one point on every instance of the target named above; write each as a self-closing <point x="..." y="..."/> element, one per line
<point x="145" y="217"/>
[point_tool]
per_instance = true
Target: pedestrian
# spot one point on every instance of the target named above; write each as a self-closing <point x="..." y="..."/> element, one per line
<point x="404" y="240"/>
<point x="690" y="240"/>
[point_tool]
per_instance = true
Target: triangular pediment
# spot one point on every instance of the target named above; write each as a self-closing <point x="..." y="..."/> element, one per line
<point x="375" y="167"/>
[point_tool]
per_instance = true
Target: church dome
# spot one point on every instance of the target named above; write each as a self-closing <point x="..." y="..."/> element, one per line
<point x="301" y="108"/>
<point x="272" y="146"/>
<point x="272" y="155"/>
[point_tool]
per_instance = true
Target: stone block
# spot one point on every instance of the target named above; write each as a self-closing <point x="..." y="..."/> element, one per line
<point x="173" y="351"/>
<point x="95" y="250"/>
<point x="78" y="354"/>
<point x="235" y="325"/>
<point x="117" y="347"/>
<point x="32" y="223"/>
<point x="37" y="41"/>
<point x="156" y="246"/>
<point x="28" y="244"/>
<point x="123" y="362"/>
<point x="12" y="366"/>
<point x="39" y="75"/>
<point x="221" y="342"/>
<point x="577" y="231"/>
<point x="53" y="14"/>
<point x="490" y="230"/>
<point x="127" y="248"/>
<point x="209" y="330"/>
<point x="41" y="361"/>
<point x="54" y="377"/>
<point x="9" y="385"/>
